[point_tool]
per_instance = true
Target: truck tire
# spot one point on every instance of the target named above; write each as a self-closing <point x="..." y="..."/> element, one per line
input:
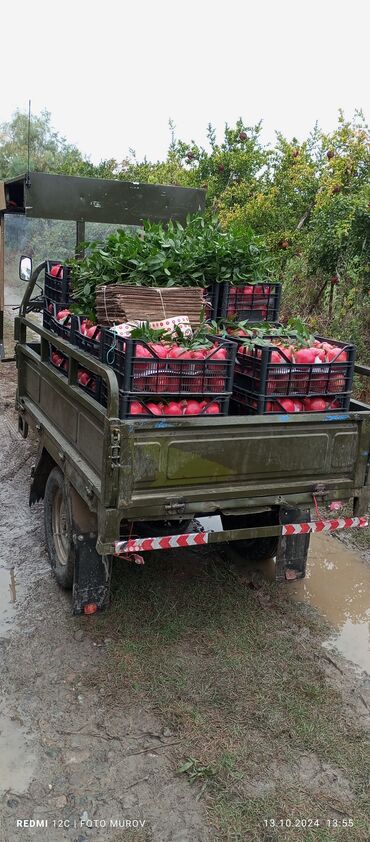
<point x="255" y="549"/>
<point x="58" y="529"/>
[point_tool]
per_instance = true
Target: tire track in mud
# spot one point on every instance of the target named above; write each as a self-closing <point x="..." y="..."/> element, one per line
<point x="65" y="753"/>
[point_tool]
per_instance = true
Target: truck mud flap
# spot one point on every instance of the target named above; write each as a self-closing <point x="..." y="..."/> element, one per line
<point x="291" y="556"/>
<point x="92" y="577"/>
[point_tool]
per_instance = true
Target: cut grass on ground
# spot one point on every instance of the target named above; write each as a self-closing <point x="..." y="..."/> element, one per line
<point x="236" y="671"/>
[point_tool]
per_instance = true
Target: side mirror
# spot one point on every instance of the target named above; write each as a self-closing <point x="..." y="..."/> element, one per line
<point x="25" y="268"/>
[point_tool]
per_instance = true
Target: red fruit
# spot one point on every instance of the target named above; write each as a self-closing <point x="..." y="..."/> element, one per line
<point x="63" y="314"/>
<point x="142" y="351"/>
<point x="221" y="168"/>
<point x="57" y="359"/>
<point x="298" y="406"/>
<point x="330" y="154"/>
<point x="84" y="377"/>
<point x="287" y="404"/>
<point x="218" y="354"/>
<point x="334" y="280"/>
<point x="212" y="409"/>
<point x="284" y="244"/>
<point x="320" y="355"/>
<point x="136" y="408"/>
<point x="172" y="408"/>
<point x="155" y="408"/>
<point x="288" y="352"/>
<point x="243" y="136"/>
<point x="174" y="352"/>
<point x="93" y="333"/>
<point x="335" y="354"/>
<point x="315" y="404"/>
<point x="192" y="408"/>
<point x="57" y="271"/>
<point x="159" y="349"/>
<point x="306" y="356"/>
<point x="83" y="326"/>
<point x="336" y="189"/>
<point x="295" y="153"/>
<point x="50" y="308"/>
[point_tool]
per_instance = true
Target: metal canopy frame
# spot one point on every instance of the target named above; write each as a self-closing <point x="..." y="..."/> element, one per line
<point x="74" y="198"/>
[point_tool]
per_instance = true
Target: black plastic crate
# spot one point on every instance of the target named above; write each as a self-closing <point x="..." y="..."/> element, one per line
<point x="50" y="322"/>
<point x="246" y="403"/>
<point x="266" y="374"/>
<point x="91" y="345"/>
<point x="140" y="369"/>
<point x="213" y="297"/>
<point x="57" y="287"/>
<point x="254" y="302"/>
<point x="164" y="406"/>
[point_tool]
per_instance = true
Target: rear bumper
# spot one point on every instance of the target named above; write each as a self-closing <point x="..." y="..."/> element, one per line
<point x="168" y="542"/>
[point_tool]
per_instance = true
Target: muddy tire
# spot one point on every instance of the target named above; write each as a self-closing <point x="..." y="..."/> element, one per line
<point x="58" y="529"/>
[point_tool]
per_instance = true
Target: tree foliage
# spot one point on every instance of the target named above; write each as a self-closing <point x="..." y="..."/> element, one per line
<point x="308" y="201"/>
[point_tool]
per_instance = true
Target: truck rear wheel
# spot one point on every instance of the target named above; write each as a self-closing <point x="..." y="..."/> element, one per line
<point x="254" y="549"/>
<point x="58" y="529"/>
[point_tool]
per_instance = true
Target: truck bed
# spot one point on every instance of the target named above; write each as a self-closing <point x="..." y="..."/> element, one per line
<point x="162" y="468"/>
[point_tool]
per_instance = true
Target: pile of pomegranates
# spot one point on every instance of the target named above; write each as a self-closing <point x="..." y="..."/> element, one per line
<point x="181" y="407"/>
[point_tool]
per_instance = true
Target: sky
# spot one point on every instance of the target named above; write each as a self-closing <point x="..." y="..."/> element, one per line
<point x="112" y="73"/>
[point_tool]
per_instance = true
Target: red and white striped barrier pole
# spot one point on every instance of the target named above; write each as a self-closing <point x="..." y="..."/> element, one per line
<point x="194" y="539"/>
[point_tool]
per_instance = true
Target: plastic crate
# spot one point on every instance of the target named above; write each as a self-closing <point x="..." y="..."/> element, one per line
<point x="264" y="383"/>
<point x="213" y="297"/>
<point x="127" y="402"/>
<point x="50" y="322"/>
<point x="91" y="345"/>
<point x="140" y="369"/>
<point x="254" y="302"/>
<point x="246" y="403"/>
<point x="57" y="288"/>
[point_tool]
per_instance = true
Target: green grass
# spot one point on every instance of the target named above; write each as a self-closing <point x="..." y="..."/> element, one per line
<point x="232" y="671"/>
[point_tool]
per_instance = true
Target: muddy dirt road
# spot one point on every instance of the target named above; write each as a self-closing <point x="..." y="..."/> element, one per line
<point x="69" y="756"/>
<point x="64" y="754"/>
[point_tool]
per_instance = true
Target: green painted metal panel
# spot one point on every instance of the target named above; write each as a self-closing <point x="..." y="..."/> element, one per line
<point x="47" y="196"/>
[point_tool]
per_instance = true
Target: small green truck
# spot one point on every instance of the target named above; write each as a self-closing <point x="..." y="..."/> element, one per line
<point x="115" y="487"/>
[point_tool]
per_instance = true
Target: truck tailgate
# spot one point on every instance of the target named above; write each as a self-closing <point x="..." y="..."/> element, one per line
<point x="248" y="461"/>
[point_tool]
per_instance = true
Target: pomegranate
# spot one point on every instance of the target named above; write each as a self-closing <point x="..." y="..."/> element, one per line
<point x="315" y="404"/>
<point x="63" y="314"/>
<point x="192" y="407"/>
<point x="57" y="271"/>
<point x="306" y="356"/>
<point x="137" y="408"/>
<point x="155" y="408"/>
<point x="172" y="408"/>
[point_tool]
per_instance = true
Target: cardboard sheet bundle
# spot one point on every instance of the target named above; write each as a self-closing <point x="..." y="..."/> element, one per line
<point x="118" y="303"/>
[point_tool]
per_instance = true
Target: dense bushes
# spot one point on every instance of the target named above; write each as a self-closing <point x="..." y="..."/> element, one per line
<point x="309" y="201"/>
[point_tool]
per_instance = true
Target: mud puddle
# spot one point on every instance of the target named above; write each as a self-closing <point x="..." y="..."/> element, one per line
<point x="17" y="763"/>
<point x="8" y="599"/>
<point x="337" y="583"/>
